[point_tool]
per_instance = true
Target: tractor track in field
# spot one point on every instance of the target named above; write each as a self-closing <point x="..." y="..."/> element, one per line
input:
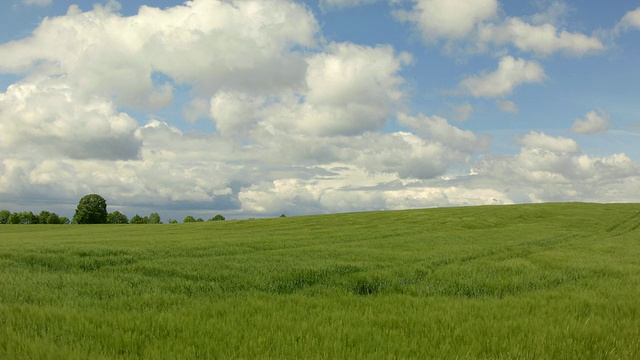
<point x="626" y="226"/>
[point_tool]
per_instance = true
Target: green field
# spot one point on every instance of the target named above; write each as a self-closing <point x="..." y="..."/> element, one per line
<point x="548" y="281"/>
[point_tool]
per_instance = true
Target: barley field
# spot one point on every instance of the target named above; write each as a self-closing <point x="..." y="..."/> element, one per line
<point x="544" y="281"/>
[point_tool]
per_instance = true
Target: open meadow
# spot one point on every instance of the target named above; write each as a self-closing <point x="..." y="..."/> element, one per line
<point x="546" y="281"/>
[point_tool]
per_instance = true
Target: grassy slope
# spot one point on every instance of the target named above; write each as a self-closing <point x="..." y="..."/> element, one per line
<point x="527" y="281"/>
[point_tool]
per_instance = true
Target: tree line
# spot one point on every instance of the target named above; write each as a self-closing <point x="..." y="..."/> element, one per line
<point x="28" y="217"/>
<point x="91" y="209"/>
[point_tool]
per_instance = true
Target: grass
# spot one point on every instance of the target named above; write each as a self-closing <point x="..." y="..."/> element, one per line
<point x="548" y="281"/>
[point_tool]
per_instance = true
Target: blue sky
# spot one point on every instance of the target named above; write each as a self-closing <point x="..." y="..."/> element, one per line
<point x="257" y="108"/>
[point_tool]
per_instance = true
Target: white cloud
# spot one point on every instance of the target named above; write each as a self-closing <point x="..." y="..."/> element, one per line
<point x="543" y="40"/>
<point x="242" y="45"/>
<point x="235" y="113"/>
<point x="350" y="188"/>
<point x="510" y="73"/>
<point x="595" y="122"/>
<point x="280" y="112"/>
<point x="272" y="173"/>
<point x="542" y="141"/>
<point x="428" y="155"/>
<point x="49" y="117"/>
<point x="448" y="19"/>
<point x="507" y="106"/>
<point x="355" y="86"/>
<point x="554" y="13"/>
<point x="475" y="26"/>
<point x="553" y="169"/>
<point x="438" y="129"/>
<point x="630" y="20"/>
<point x="350" y="89"/>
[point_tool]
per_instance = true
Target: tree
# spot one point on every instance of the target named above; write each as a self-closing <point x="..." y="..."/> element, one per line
<point x="283" y="215"/>
<point x="92" y="209"/>
<point x="27" y="217"/>
<point x="173" y="221"/>
<point x="42" y="218"/>
<point x="64" y="220"/>
<point x="4" y="216"/>
<point x="52" y="218"/>
<point x="137" y="219"/>
<point x="117" y="217"/>
<point x="217" y="218"/>
<point x="154" y="218"/>
<point x="189" y="219"/>
<point x="14" y="218"/>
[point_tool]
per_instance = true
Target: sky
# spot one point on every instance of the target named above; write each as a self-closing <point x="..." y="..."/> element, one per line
<point x="256" y="108"/>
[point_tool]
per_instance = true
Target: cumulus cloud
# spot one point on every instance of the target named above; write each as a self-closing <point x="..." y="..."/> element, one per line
<point x="353" y="189"/>
<point x="438" y="129"/>
<point x="275" y="172"/>
<point x="49" y="117"/>
<point x="595" y="122"/>
<point x="243" y="45"/>
<point x="350" y="89"/>
<point x="428" y="153"/>
<point x="551" y="168"/>
<point x="630" y="20"/>
<point x="543" y="40"/>
<point x="448" y="19"/>
<point x="511" y="72"/>
<point x="541" y="141"/>
<point x="477" y="27"/>
<point x="554" y="13"/>
<point x="281" y="113"/>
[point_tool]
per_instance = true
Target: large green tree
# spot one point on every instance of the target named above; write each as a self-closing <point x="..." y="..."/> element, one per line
<point x="92" y="209"/>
